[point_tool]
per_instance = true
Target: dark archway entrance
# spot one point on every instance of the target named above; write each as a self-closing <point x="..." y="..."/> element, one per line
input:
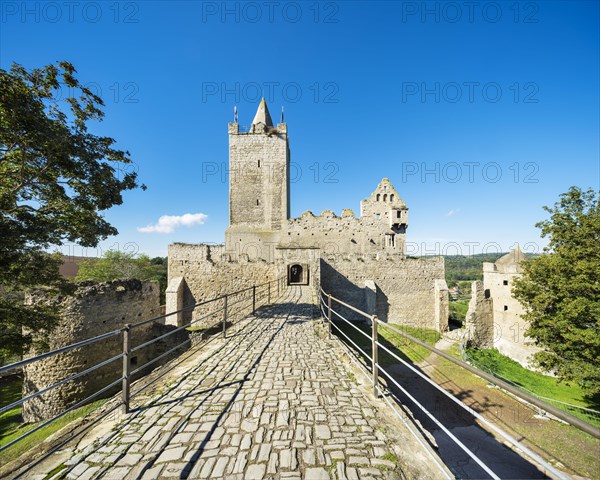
<point x="297" y="274"/>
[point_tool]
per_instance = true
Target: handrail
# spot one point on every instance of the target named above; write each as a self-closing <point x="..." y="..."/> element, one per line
<point x="125" y="378"/>
<point x="557" y="412"/>
<point x="199" y="304"/>
<point x="372" y="358"/>
<point x="375" y="368"/>
<point x="561" y="414"/>
<point x="50" y="420"/>
<point x="58" y="384"/>
<point x="42" y="356"/>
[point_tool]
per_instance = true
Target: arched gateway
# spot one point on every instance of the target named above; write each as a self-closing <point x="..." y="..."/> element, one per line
<point x="297" y="274"/>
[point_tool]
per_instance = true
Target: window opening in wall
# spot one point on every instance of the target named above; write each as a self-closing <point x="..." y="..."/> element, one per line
<point x="385" y="197"/>
<point x="505" y="282"/>
<point x="384" y="187"/>
<point x="390" y="240"/>
<point x="505" y="308"/>
<point x="378" y="215"/>
<point x="398" y="213"/>
<point x="392" y="197"/>
<point x="257" y="202"/>
<point x="259" y="164"/>
<point x="378" y="197"/>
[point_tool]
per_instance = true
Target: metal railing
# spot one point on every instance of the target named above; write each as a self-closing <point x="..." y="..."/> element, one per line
<point x="590" y="413"/>
<point x="326" y="301"/>
<point x="259" y="293"/>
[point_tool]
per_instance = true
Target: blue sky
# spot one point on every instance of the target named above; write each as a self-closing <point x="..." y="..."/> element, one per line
<point x="478" y="115"/>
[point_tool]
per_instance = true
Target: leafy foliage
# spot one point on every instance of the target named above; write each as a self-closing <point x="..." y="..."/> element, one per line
<point x="55" y="179"/>
<point x="115" y="265"/>
<point x="561" y="291"/>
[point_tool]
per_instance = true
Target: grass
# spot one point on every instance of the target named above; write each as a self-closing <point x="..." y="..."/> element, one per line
<point x="458" y="311"/>
<point x="404" y="348"/>
<point x="12" y="426"/>
<point x="537" y="383"/>
<point x="576" y="449"/>
<point x="195" y="329"/>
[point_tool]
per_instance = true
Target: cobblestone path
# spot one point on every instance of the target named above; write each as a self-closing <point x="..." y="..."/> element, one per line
<point x="273" y="401"/>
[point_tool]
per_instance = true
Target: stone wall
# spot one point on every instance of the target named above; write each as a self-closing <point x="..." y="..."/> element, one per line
<point x="209" y="272"/>
<point x="343" y="234"/>
<point x="509" y="325"/>
<point x="406" y="291"/>
<point x="441" y="304"/>
<point x="93" y="309"/>
<point x="479" y="321"/>
<point x="258" y="176"/>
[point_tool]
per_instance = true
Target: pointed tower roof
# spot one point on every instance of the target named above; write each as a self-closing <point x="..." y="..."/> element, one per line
<point x="511" y="260"/>
<point x="262" y="115"/>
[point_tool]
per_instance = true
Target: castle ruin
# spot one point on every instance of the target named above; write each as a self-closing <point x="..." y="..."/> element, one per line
<point x="509" y="325"/>
<point x="361" y="260"/>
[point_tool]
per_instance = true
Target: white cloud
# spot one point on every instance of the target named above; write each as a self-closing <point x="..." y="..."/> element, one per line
<point x="451" y="213"/>
<point x="168" y="223"/>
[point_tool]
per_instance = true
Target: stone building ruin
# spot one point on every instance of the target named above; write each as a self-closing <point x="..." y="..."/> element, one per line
<point x="361" y="260"/>
<point x="93" y="309"/>
<point x="495" y="319"/>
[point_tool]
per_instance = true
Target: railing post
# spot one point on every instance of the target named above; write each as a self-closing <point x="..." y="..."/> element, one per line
<point x="329" y="313"/>
<point x="253" y="298"/>
<point x="224" y="316"/>
<point x="126" y="366"/>
<point x="375" y="354"/>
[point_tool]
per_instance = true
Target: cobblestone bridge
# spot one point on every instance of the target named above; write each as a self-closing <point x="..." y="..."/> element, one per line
<point x="272" y="400"/>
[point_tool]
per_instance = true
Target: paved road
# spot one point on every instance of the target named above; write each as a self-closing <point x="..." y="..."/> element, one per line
<point x="273" y="401"/>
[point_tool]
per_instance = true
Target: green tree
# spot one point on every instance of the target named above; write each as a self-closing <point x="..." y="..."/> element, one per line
<point x="115" y="265"/>
<point x="560" y="291"/>
<point x="55" y="180"/>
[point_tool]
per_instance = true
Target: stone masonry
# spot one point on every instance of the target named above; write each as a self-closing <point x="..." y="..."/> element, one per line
<point x="93" y="309"/>
<point x="271" y="401"/>
<point x="340" y="253"/>
<point x="509" y="325"/>
<point x="479" y="321"/>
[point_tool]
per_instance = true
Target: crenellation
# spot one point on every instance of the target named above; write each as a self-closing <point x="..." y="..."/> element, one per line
<point x="340" y="252"/>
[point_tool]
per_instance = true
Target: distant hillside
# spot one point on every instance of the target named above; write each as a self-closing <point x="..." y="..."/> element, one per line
<point x="468" y="268"/>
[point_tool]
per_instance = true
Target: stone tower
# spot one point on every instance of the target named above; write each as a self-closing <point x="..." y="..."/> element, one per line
<point x="509" y="326"/>
<point x="259" y="180"/>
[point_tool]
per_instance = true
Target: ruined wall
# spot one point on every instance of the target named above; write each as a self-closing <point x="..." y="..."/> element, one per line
<point x="406" y="292"/>
<point x="308" y="257"/>
<point x="345" y="234"/>
<point x="210" y="272"/>
<point x="441" y="304"/>
<point x="385" y="203"/>
<point x="93" y="309"/>
<point x="509" y="325"/>
<point x="331" y="233"/>
<point x="479" y="321"/>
